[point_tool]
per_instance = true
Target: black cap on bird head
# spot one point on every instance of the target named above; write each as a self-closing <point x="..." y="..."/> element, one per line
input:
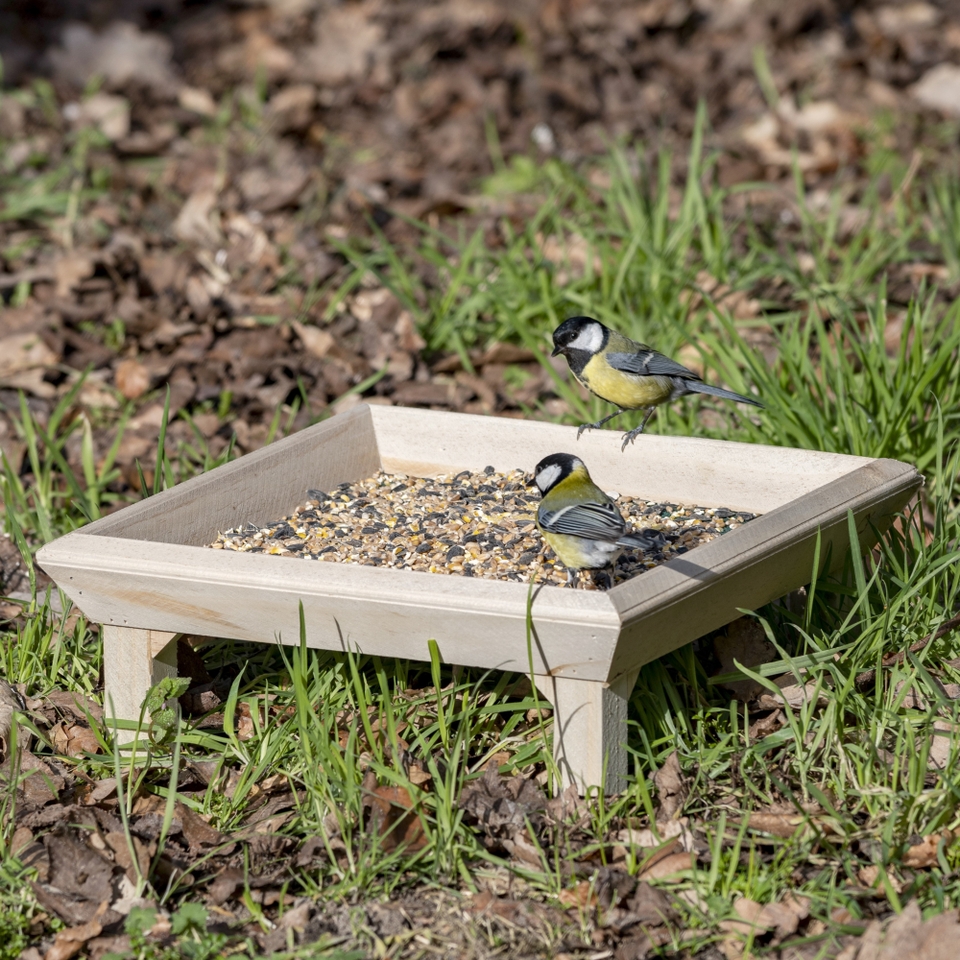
<point x="551" y="470"/>
<point x="579" y="333"/>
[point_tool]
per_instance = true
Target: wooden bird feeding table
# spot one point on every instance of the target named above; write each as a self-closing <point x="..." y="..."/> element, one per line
<point x="145" y="575"/>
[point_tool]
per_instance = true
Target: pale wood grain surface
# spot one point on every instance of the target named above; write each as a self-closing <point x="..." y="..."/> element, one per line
<point x="590" y="730"/>
<point x="133" y="662"/>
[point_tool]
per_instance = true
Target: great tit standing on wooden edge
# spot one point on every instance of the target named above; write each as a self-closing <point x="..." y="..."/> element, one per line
<point x="628" y="374"/>
<point x="577" y="519"/>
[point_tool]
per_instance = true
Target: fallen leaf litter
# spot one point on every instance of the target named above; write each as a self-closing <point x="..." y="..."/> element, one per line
<point x="475" y="524"/>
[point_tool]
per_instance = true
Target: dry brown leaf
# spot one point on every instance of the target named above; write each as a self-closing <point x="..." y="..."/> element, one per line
<point x="521" y="847"/>
<point x="69" y="270"/>
<point x="245" y="725"/>
<point x="11" y="704"/>
<point x="197" y="100"/>
<point x="505" y="353"/>
<point x="74" y="740"/>
<point x="745" y="642"/>
<point x="30" y="381"/>
<point x="269" y="190"/>
<point x="132" y="379"/>
<point x="108" y="112"/>
<point x="565" y="805"/>
<point x="669" y="867"/>
<point x="408" y="337"/>
<point x="570" y="254"/>
<point x="580" y="897"/>
<point x="23" y="351"/>
<point x="95" y="395"/>
<point x="742" y="928"/>
<point x="793" y="695"/>
<point x="197" y="222"/>
<point x="99" y="791"/>
<point x="766" y="725"/>
<point x="70" y="942"/>
<point x="317" y="342"/>
<point x="637" y="946"/>
<point x="924" y="854"/>
<point x="941" y="741"/>
<point x="346" y="42"/>
<point x="909" y="937"/>
<point x="779" y="824"/>
<point x="666" y="830"/>
<point x="292" y="107"/>
<point x="758" y="920"/>
<point x="390" y="813"/>
<point x="226" y="885"/>
<point x="196" y="831"/>
<point x="671" y="788"/>
<point x="78" y="705"/>
<point x="22" y="838"/>
<point x="80" y="878"/>
<point x="871" y="875"/>
<point x="939" y="89"/>
<point x="120" y="845"/>
<point x="652" y="907"/>
<point x="782" y="917"/>
<point x="122" y="55"/>
<point x="418" y="776"/>
<point x="895" y="20"/>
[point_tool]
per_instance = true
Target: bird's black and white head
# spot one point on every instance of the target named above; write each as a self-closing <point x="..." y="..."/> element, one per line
<point x="551" y="470"/>
<point x="582" y="335"/>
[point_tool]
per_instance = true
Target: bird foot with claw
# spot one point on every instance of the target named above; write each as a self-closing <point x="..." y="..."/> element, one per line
<point x="631" y="436"/>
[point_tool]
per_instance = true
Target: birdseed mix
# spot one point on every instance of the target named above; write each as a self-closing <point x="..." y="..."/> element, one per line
<point x="474" y="524"/>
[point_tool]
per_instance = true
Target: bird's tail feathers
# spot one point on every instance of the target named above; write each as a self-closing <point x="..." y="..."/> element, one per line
<point x="697" y="386"/>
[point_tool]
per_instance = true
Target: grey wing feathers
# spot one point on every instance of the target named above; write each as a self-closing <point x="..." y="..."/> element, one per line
<point x="636" y="540"/>
<point x="595" y="521"/>
<point x="649" y="363"/>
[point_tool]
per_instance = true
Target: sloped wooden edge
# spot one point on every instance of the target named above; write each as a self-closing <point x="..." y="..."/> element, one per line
<point x="269" y="481"/>
<point x="690" y="470"/>
<point x="761" y="561"/>
<point x="480" y="623"/>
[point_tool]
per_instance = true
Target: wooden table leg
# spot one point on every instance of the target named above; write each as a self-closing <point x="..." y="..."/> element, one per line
<point x="590" y="730"/>
<point x="133" y="661"/>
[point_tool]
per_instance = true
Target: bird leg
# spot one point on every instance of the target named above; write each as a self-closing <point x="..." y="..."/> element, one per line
<point x="633" y="434"/>
<point x="598" y="424"/>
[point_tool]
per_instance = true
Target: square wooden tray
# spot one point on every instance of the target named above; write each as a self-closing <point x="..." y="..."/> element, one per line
<point x="144" y="573"/>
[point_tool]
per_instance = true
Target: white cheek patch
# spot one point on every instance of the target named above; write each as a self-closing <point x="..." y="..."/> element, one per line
<point x="589" y="339"/>
<point x="548" y="476"/>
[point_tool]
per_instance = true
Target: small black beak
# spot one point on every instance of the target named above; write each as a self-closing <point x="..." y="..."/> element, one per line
<point x="556" y="351"/>
<point x="531" y="481"/>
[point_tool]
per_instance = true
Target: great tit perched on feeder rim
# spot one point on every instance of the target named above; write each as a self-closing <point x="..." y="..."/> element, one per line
<point x="626" y="373"/>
